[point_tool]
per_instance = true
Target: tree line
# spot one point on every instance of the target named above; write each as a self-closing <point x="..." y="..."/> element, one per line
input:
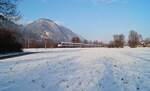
<point x="134" y="40"/>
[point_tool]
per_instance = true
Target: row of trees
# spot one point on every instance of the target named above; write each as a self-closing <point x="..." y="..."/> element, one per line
<point x="134" y="40"/>
<point x="32" y="43"/>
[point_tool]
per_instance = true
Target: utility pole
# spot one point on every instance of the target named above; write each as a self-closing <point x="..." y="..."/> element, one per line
<point x="28" y="43"/>
<point x="45" y="43"/>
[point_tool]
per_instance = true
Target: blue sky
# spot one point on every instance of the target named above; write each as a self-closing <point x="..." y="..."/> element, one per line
<point x="93" y="19"/>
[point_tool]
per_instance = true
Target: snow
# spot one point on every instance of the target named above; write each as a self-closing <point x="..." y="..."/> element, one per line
<point x="87" y="69"/>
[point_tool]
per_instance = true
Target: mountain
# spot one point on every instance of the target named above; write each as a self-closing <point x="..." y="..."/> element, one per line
<point x="57" y="33"/>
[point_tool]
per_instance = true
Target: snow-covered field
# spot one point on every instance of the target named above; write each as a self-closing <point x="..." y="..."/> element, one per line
<point x="89" y="69"/>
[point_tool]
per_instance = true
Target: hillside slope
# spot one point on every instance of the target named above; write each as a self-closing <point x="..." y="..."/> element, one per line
<point x="56" y="32"/>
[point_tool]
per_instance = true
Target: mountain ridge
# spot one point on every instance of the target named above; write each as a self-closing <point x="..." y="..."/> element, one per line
<point x="56" y="32"/>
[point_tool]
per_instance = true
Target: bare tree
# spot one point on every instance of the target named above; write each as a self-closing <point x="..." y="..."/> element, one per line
<point x="134" y="39"/>
<point x="147" y="42"/>
<point x="119" y="40"/>
<point x="111" y="44"/>
<point x="85" y="41"/>
<point x="10" y="36"/>
<point x="9" y="41"/>
<point x="8" y="10"/>
<point x="95" y="42"/>
<point x="76" y="40"/>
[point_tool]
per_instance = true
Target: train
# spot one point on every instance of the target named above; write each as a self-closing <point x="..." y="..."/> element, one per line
<point x="76" y="45"/>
